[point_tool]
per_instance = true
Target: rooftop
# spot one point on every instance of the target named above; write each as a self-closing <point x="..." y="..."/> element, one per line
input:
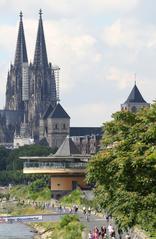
<point x="135" y="96"/>
<point x="59" y="113"/>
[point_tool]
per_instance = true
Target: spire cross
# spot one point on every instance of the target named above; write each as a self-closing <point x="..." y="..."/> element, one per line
<point x="40" y="13"/>
<point x="21" y="15"/>
<point x="135" y="79"/>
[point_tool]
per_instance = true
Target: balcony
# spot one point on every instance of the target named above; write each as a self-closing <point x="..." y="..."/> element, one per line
<point x="54" y="167"/>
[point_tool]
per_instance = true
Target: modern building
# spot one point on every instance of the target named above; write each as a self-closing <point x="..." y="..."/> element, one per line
<point x="135" y="101"/>
<point x="67" y="168"/>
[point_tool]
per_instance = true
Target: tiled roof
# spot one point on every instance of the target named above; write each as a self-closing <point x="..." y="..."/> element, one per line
<point x="82" y="131"/>
<point x="67" y="148"/>
<point x="135" y="96"/>
<point x="59" y="113"/>
<point x="48" y="111"/>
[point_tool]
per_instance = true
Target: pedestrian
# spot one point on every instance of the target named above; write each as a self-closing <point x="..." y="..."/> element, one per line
<point x="70" y="211"/>
<point x="90" y="236"/>
<point x="84" y="210"/>
<point x="64" y="209"/>
<point x="112" y="235"/>
<point x="87" y="217"/>
<point x="110" y="229"/>
<point x="107" y="218"/>
<point x="96" y="233"/>
<point x="60" y="208"/>
<point x="127" y="236"/>
<point x="76" y="208"/>
<point x="103" y="232"/>
<point x="89" y="210"/>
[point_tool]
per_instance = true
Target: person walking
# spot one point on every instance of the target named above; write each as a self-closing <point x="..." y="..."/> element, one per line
<point x="96" y="233"/>
<point x="110" y="229"/>
<point x="112" y="234"/>
<point x="90" y="235"/>
<point x="103" y="232"/>
<point x="84" y="210"/>
<point x="89" y="211"/>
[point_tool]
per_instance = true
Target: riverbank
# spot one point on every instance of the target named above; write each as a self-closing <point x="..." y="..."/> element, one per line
<point x="41" y="231"/>
<point x="69" y="226"/>
<point x="45" y="230"/>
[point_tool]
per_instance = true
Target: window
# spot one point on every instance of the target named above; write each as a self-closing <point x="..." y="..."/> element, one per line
<point x="56" y="126"/>
<point x="133" y="109"/>
<point x="64" y="126"/>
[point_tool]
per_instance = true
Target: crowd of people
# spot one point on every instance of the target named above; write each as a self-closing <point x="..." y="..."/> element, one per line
<point x="102" y="233"/>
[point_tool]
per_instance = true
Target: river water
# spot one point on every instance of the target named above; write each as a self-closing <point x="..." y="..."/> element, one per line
<point x="15" y="231"/>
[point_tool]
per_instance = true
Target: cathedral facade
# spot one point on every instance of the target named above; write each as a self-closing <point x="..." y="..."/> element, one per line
<point x="32" y="107"/>
<point x="31" y="87"/>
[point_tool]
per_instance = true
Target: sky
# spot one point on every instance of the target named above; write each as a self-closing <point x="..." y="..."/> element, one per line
<point x="100" y="45"/>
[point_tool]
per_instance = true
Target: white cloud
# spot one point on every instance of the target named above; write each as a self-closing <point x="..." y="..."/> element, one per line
<point x="128" y="32"/>
<point x="122" y="77"/>
<point x="96" y="112"/>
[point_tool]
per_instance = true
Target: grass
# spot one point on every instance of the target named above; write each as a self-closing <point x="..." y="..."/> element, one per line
<point x="26" y="211"/>
<point x="75" y="197"/>
<point x="69" y="227"/>
<point x="24" y="192"/>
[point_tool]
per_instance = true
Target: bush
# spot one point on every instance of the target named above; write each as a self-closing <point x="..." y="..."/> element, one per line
<point x="37" y="186"/>
<point x="75" y="197"/>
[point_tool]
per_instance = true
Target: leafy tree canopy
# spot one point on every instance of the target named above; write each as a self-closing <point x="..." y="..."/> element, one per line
<point x="124" y="171"/>
<point x="13" y="161"/>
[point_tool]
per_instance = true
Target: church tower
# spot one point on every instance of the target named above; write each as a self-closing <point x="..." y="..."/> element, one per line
<point x="31" y="88"/>
<point x="42" y="81"/>
<point x="14" y="85"/>
<point x="135" y="101"/>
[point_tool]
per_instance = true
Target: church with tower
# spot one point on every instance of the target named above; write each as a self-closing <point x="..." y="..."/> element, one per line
<point x="31" y="88"/>
<point x="32" y="107"/>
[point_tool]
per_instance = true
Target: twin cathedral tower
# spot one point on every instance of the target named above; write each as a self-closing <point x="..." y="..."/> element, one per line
<point x="31" y="87"/>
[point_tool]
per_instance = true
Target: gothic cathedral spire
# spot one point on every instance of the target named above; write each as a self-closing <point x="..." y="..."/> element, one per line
<point x="21" y="51"/>
<point x="40" y="57"/>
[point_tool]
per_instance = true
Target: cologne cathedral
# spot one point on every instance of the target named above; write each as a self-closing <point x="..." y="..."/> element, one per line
<point x="32" y="108"/>
<point x="30" y="87"/>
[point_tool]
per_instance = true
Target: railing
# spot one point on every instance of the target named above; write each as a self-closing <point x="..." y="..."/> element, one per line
<point x="79" y="165"/>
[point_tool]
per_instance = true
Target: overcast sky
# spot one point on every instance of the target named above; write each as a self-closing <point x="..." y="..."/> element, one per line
<point x="98" y="44"/>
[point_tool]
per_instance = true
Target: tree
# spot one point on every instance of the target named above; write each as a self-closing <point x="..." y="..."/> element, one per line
<point x="124" y="172"/>
<point x="13" y="161"/>
<point x="4" y="153"/>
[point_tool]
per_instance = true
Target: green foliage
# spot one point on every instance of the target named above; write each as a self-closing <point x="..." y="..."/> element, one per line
<point x="75" y="197"/>
<point x="13" y="161"/>
<point x="68" y="219"/>
<point x="30" y="191"/>
<point x="37" y="185"/>
<point x="11" y="166"/>
<point x="17" y="177"/>
<point x="124" y="172"/>
<point x="4" y="153"/>
<point x="68" y="228"/>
